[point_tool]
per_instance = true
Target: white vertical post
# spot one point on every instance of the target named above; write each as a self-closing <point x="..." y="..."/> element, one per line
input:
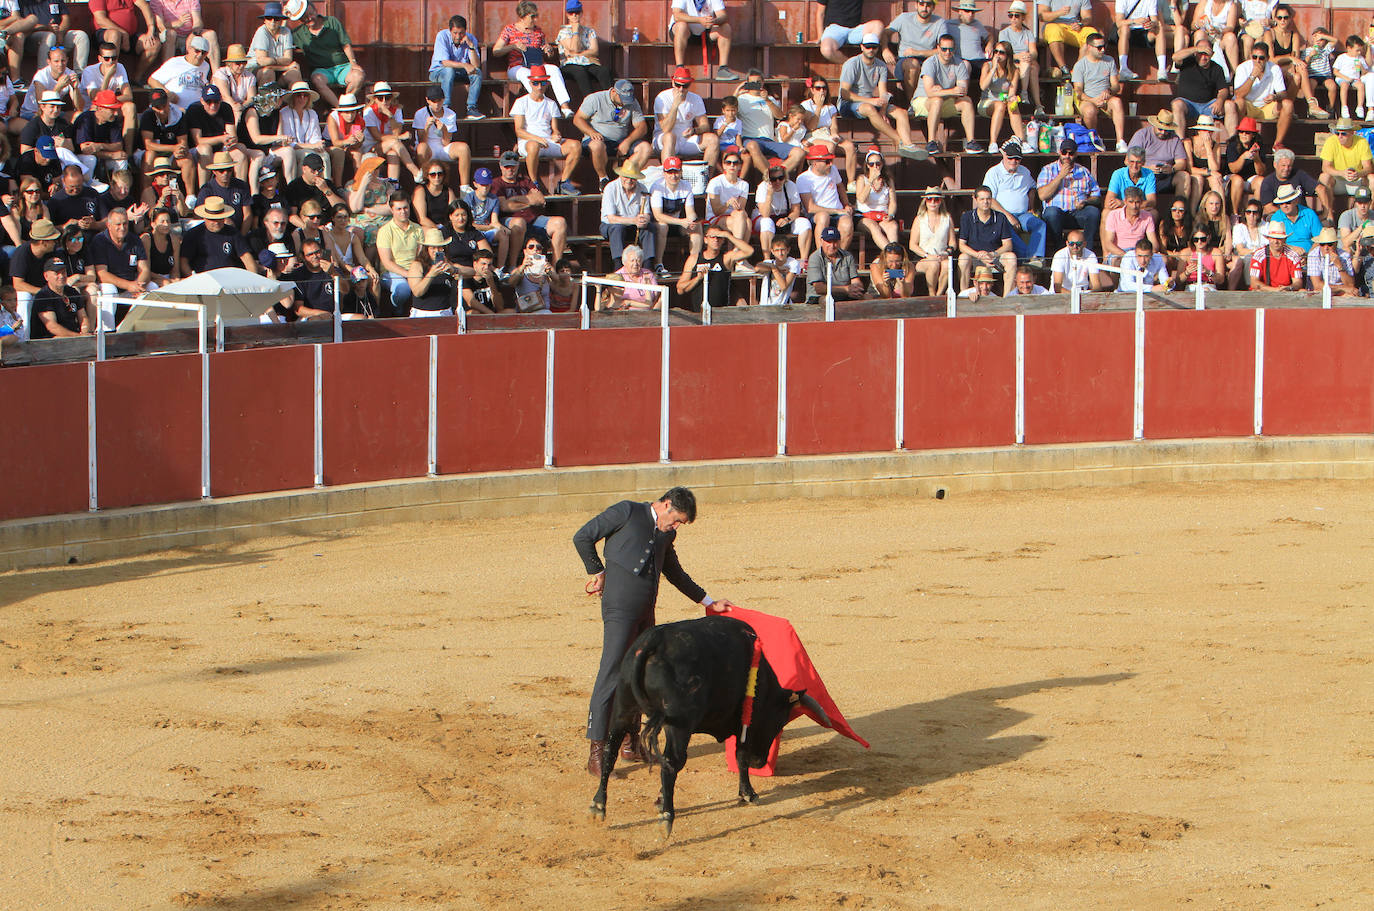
<point x="829" y="293"/>
<point x="900" y="429"/>
<point x="219" y="332"/>
<point x="1259" y="371"/>
<point x="99" y="330"/>
<point x="665" y="371"/>
<point x="200" y="323"/>
<point x="782" y="389"/>
<point x="432" y="450"/>
<point x="1139" y="406"/>
<point x="663" y="307"/>
<point x="706" y="298"/>
<point x="91" y="472"/>
<point x="1326" y="287"/>
<point x="951" y="299"/>
<point x="338" y="316"/>
<point x="1075" y="295"/>
<point x="548" y="390"/>
<point x="1199" y="294"/>
<point x="319" y="415"/>
<point x="1020" y="378"/>
<point x="460" y="310"/>
<point x="586" y="312"/>
<point x="204" y="417"/>
<point x="1140" y="296"/>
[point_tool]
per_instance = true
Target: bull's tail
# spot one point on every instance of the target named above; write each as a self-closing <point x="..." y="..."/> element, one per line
<point x="653" y="714"/>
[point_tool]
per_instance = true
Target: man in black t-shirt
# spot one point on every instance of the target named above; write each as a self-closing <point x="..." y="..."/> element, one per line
<point x="76" y="202"/>
<point x="98" y="134"/>
<point x="40" y="163"/>
<point x="215" y="243"/>
<point x="57" y="311"/>
<point x="311" y="185"/>
<point x="209" y="129"/>
<point x="49" y="122"/>
<point x="26" y="263"/>
<point x="1244" y="163"/>
<point x="224" y="185"/>
<point x="482" y="291"/>
<point x="839" y="23"/>
<point x="119" y="257"/>
<point x="160" y="138"/>
<point x="314" y="294"/>
<point x="1202" y="89"/>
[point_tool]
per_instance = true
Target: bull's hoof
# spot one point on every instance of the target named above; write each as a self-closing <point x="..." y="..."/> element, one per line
<point x="666" y="821"/>
<point x="746" y="797"/>
<point x="598" y="810"/>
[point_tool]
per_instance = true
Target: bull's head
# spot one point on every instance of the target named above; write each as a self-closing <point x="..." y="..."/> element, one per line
<point x="774" y="706"/>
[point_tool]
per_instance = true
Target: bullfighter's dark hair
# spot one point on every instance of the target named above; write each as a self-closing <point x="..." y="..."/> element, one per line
<point x="682" y="500"/>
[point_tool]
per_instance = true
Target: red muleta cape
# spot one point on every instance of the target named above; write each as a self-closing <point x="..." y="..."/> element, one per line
<point x="788" y="658"/>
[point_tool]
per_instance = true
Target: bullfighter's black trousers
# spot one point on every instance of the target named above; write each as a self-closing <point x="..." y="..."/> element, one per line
<point x="627" y="609"/>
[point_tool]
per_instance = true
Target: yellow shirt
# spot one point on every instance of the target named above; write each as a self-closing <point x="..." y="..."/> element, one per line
<point x="1342" y="157"/>
<point x="403" y="242"/>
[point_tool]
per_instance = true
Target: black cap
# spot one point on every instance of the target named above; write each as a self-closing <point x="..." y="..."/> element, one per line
<point x="313" y="160"/>
<point x="434" y="93"/>
<point x="1068" y="145"/>
<point x="54" y="264"/>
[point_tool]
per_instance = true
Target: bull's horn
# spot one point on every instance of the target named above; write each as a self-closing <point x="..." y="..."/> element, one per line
<point x="814" y="707"/>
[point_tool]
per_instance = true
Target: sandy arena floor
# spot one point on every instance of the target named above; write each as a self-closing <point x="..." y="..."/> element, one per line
<point x="1138" y="698"/>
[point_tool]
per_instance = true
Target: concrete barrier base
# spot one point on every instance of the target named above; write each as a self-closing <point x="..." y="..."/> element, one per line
<point x="125" y="532"/>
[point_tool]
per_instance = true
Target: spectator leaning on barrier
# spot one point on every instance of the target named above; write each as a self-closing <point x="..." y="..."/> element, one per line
<point x="705" y="20"/>
<point x="780" y="270"/>
<point x="613" y="118"/>
<point x="1071" y="195"/>
<point x="834" y="268"/>
<point x="713" y="264"/>
<point x="1075" y="266"/>
<point x="1276" y="266"/>
<point x="681" y="128"/>
<point x="314" y="278"/>
<point x="1024" y="283"/>
<point x="457" y="60"/>
<point x="625" y="217"/>
<point x="121" y="262"/>
<point x="326" y="50"/>
<point x="985" y="239"/>
<point x="864" y="94"/>
<point x="1143" y="269"/>
<point x="984" y="279"/>
<point x="1328" y="264"/>
<point x="1012" y="188"/>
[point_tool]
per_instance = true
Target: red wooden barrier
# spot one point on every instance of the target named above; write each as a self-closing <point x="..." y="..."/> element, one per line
<point x="606" y="386"/>
<point x="44" y="457"/>
<point x="1080" y="377"/>
<point x="1199" y="373"/>
<point x="1318" y="371"/>
<point x="262" y="420"/>
<point x="490" y="403"/>
<point x="841" y="386"/>
<point x="723" y="392"/>
<point x="376" y="410"/>
<point x="960" y="382"/>
<point x="147" y="426"/>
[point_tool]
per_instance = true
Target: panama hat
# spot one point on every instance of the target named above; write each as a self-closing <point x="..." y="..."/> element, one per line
<point x="1287" y="193"/>
<point x="294" y="9"/>
<point x="382" y="88"/>
<point x="984" y="274"/>
<point x="968" y="6"/>
<point x="1326" y="236"/>
<point x="1274" y="229"/>
<point x="1163" y="120"/>
<point x="630" y="169"/>
<point x="301" y="88"/>
<point x="221" y="162"/>
<point x="163" y="166"/>
<point x="1206" y="123"/>
<point x="214" y="208"/>
<point x="434" y="238"/>
<point x="349" y="102"/>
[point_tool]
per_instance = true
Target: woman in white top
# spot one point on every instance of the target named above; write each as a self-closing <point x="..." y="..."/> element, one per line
<point x="930" y="240"/>
<point x="236" y="84"/>
<point x="726" y="197"/>
<point x="820" y="115"/>
<point x="1218" y="19"/>
<point x="1258" y="16"/>
<point x="877" y="204"/>
<point x="1245" y="240"/>
<point x="300" y="122"/>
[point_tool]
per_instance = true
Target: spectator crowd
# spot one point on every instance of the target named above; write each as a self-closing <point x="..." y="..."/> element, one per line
<point x="147" y="149"/>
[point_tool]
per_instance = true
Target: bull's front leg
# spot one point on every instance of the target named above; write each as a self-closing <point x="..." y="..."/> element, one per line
<point x="746" y="790"/>
<point x="674" y="758"/>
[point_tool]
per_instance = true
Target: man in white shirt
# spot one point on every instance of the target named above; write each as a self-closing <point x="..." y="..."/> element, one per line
<point x="536" y="127"/>
<point x="1144" y="270"/>
<point x="1075" y="265"/>
<point x="184" y="78"/>
<point x="681" y="127"/>
<point x="1259" y="92"/>
<point x="108" y="73"/>
<point x="823" y="197"/>
<point x="1024" y="283"/>
<point x="673" y="205"/>
<point x="55" y="77"/>
<point x="435" y="127"/>
<point x="704" y="19"/>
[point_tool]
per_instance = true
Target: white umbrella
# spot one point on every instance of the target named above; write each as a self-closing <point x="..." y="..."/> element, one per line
<point x="230" y="293"/>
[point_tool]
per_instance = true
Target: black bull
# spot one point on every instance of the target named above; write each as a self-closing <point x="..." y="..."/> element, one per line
<point x="690" y="678"/>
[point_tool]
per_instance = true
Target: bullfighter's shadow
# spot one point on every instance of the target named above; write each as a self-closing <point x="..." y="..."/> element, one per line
<point x="912" y="745"/>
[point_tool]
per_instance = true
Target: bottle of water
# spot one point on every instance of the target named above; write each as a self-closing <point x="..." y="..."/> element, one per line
<point x="634" y="36"/>
<point x="1033" y="135"/>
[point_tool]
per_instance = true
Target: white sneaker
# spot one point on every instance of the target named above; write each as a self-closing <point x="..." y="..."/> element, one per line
<point x="1128" y="73"/>
<point x="992" y="148"/>
<point x="1345" y="111"/>
<point x="1359" y="112"/>
<point x="1121" y="145"/>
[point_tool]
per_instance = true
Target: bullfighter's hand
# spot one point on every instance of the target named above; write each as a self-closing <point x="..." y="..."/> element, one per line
<point x="721" y="606"/>
<point x="596" y="583"/>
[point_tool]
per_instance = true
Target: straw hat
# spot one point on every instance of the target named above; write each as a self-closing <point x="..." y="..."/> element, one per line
<point x="1274" y="229"/>
<point x="984" y="274"/>
<point x="163" y="166"/>
<point x="434" y="238"/>
<point x="630" y="169"/>
<point x="221" y="162"/>
<point x="236" y="54"/>
<point x="1204" y="122"/>
<point x="280" y="250"/>
<point x="301" y="88"/>
<point x="933" y="191"/>
<point x="44" y="229"/>
<point x="1327" y="236"/>
<point x="1287" y="193"/>
<point x="214" y="208"/>
<point x="1344" y="124"/>
<point x="349" y="102"/>
<point x="1164" y="120"/>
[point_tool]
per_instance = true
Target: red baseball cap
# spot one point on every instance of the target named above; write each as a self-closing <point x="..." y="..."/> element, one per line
<point x="106" y="99"/>
<point x="774" y="163"/>
<point x="538" y="73"/>
<point x="672" y="164"/>
<point x="682" y="76"/>
<point x="819" y="153"/>
<point x="1248" y="125"/>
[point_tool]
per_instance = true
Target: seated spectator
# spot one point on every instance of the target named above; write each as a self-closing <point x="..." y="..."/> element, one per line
<point x="972" y="37"/>
<point x="522" y="204"/>
<point x="1204" y="164"/>
<point x="163" y="247"/>
<point x="485" y="208"/>
<point x="891" y="274"/>
<point x="301" y="124"/>
<point x="347" y="131"/>
<point x="1347" y="165"/>
<point x="635" y="271"/>
<point x="1124" y="228"/>
<point x="727" y="195"/>
<point x="708" y="270"/>
<point x="57" y="311"/>
<point x="224" y="185"/>
<point x="538" y="135"/>
<point x="930" y="241"/>
<point x="579" y="53"/>
<point x="1096" y="85"/>
<point x="314" y="277"/>
<point x="344" y="245"/>
<point x="41" y="164"/>
<point x="271" y="196"/>
<point x="463" y="239"/>
<point x="121" y="263"/>
<point x="780" y="272"/>
<point x="613" y="118"/>
<point x="275" y="229"/>
<point x="214" y="243"/>
<point x="791" y="132"/>
<point x="982" y="287"/>
<point x="311" y="184"/>
<point x="1218" y="22"/>
<point x="209" y="125"/>
<point x="943" y="93"/>
<point x="482" y="292"/>
<point x="164" y="189"/>
<point x="823" y="197"/>
<point x="1353" y="219"/>
<point x="108" y="73"/>
<point x="673" y="206"/>
<point x="705" y="20"/>
<point x="26" y="266"/>
<point x="1246" y="237"/>
<point x="1164" y="153"/>
<point x="1145" y="270"/>
<point x="183" y="20"/>
<point x="99" y="134"/>
<point x="1024" y="283"/>
<point x="57" y="78"/>
<point x="434" y="199"/>
<point x="50" y="24"/>
<point x="563" y="286"/>
<point x="432" y="278"/>
<point x="1012" y="190"/>
<point x="864" y="94"/>
<point x="840" y="24"/>
<point x="1198" y="264"/>
<point x="1068" y="24"/>
<point x="326" y="50"/>
<point x="1175" y="231"/>
<point x="985" y="239"/>
<point x="237" y="87"/>
<point x="820" y="125"/>
<point x="398" y="243"/>
<point x="759" y="113"/>
<point x="1276" y="266"/>
<point x="29" y="206"/>
<point x="76" y="202"/>
<point x="271" y="53"/>
<point x="1211" y="217"/>
<point x="1300" y="223"/>
<point x="369" y="199"/>
<point x="1139" y="24"/>
<point x="1075" y="266"/>
<point x="531" y="280"/>
<point x="1319" y="57"/>
<point x="526" y="47"/>
<point x="160" y="139"/>
<point x="48" y="123"/>
<point x="998" y="98"/>
<point x="625" y="215"/>
<point x="1260" y="92"/>
<point x="1025" y="54"/>
<point x="81" y="277"/>
<point x="729" y="129"/>
<point x="457" y="61"/>
<point x="1202" y="89"/>
<point x="435" y="129"/>
<point x="1328" y="264"/>
<point x="130" y="26"/>
<point x="1070" y="194"/>
<point x="833" y="270"/>
<point x="778" y="208"/>
<point x="385" y="133"/>
<point x="681" y="128"/>
<point x="1285" y="173"/>
<point x="917" y="32"/>
<point x="183" y="79"/>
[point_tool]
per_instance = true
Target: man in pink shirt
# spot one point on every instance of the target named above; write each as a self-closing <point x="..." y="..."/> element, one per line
<point x="1124" y="226"/>
<point x="182" y="19"/>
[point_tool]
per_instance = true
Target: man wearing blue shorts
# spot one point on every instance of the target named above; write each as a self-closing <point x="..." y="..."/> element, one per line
<point x="838" y="22"/>
<point x="457" y="61"/>
<point x="1202" y="89"/>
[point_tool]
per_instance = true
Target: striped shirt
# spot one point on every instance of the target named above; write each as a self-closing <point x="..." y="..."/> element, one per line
<point x="1080" y="185"/>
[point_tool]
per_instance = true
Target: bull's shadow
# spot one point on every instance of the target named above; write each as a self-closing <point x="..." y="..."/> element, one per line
<point x="913" y="745"/>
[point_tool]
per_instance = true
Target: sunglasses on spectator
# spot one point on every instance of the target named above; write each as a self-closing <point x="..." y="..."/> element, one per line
<point x="314" y="215"/>
<point x="999" y="53"/>
<point x="1258" y="57"/>
<point x="1075" y="243"/>
<point x="1282" y="18"/>
<point x="946" y="48"/>
<point x="34" y="190"/>
<point x="533" y="247"/>
<point x="310" y="254"/>
<point x="1200" y="239"/>
<point x="732" y="161"/>
<point x="108" y="59"/>
<point x="1252" y="211"/>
